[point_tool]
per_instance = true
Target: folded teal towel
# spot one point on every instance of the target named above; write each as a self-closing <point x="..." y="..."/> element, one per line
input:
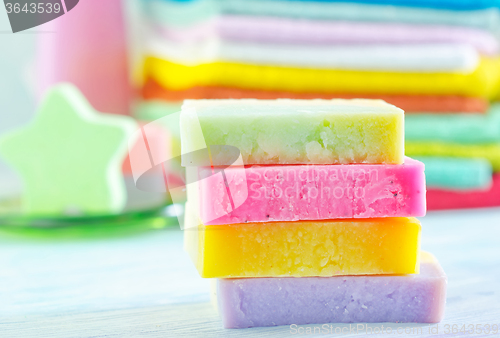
<point x="184" y="13"/>
<point x="444" y="4"/>
<point x="454" y="128"/>
<point x="457" y="173"/>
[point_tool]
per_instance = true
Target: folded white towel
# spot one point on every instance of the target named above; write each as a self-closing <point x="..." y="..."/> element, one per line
<point x="399" y="58"/>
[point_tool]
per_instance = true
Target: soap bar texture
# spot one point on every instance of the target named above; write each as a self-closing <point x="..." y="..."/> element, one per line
<point x="312" y="192"/>
<point x="483" y="82"/>
<point x="490" y="152"/>
<point x="456" y="128"/>
<point x="445" y="199"/>
<point x="303" y="248"/>
<point x="296" y="131"/>
<point x="409" y="103"/>
<point x="460" y="174"/>
<point x="254" y="302"/>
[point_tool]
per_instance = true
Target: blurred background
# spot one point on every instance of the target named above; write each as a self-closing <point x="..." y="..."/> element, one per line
<point x="438" y="64"/>
<point x="17" y="99"/>
<point x="137" y="60"/>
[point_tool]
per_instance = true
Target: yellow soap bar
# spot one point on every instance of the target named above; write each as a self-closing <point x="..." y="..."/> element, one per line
<point x="483" y="82"/>
<point x="304" y="248"/>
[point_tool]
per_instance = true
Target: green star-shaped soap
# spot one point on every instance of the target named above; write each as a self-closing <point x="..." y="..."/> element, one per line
<point x="70" y="156"/>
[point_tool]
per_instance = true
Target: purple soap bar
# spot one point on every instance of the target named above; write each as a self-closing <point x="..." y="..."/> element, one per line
<point x="255" y="302"/>
<point x="311" y="192"/>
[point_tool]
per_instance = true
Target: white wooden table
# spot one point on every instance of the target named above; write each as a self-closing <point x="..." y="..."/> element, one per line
<point x="146" y="286"/>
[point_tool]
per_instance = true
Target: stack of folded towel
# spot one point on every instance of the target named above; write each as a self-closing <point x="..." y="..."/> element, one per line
<point x="321" y="189"/>
<point x="434" y="59"/>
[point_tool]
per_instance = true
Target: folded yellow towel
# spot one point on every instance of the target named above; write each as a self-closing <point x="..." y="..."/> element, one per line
<point x="490" y="152"/>
<point x="484" y="82"/>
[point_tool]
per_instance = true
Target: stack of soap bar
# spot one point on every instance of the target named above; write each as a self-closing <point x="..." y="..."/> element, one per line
<point x="325" y="192"/>
<point x="461" y="153"/>
<point x="251" y="302"/>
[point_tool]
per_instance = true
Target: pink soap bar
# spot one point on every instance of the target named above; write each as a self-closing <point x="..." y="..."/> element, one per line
<point x="311" y="192"/>
<point x="285" y="30"/>
<point x="440" y="199"/>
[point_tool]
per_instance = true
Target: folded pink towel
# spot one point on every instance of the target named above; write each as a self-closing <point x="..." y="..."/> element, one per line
<point x="285" y="30"/>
